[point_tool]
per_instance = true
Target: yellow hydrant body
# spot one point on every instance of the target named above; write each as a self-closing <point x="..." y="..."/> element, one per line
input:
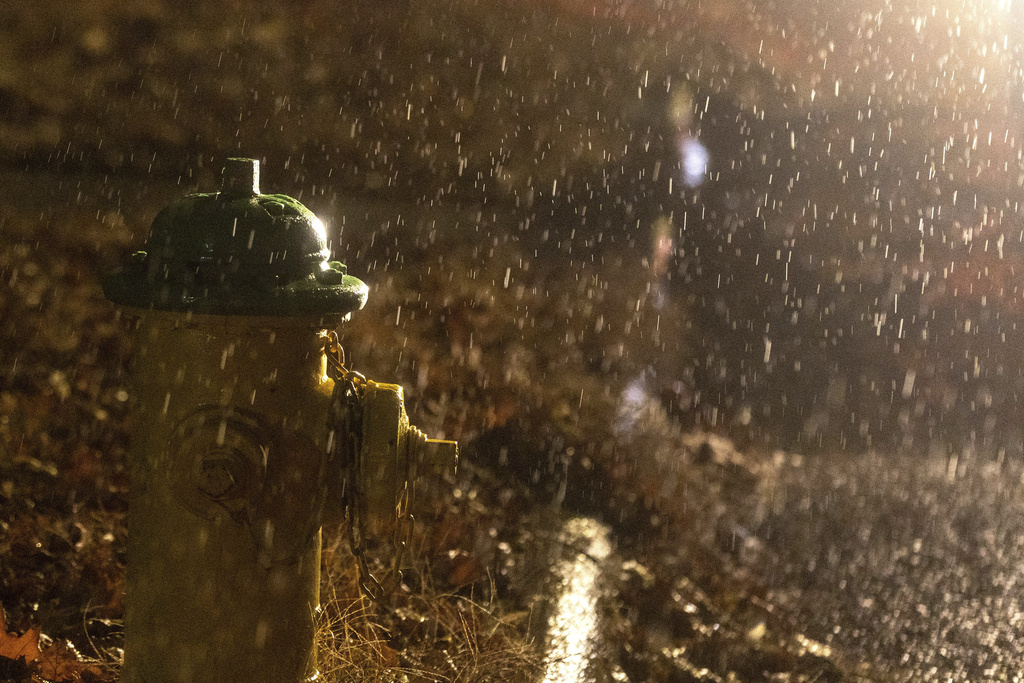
<point x="234" y="460"/>
<point x="224" y="545"/>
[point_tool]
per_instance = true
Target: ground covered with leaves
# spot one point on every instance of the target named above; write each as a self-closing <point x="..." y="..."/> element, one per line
<point x="488" y="199"/>
<point x="685" y="608"/>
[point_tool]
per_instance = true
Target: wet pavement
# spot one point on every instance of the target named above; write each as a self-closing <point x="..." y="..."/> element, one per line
<point x="910" y="563"/>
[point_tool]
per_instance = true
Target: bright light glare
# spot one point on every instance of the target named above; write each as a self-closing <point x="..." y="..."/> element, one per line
<point x="321" y="234"/>
<point x="695" y="160"/>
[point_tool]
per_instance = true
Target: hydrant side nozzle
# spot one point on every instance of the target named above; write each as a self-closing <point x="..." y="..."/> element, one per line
<point x="395" y="453"/>
<point x="431" y="456"/>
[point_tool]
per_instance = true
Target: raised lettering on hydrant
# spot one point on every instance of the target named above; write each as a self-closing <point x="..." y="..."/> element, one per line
<point x="252" y="434"/>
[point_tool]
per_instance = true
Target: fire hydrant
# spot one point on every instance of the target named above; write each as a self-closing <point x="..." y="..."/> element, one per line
<point x="251" y="434"/>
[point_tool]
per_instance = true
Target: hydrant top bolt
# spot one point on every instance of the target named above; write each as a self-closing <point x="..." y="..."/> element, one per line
<point x="242" y="177"/>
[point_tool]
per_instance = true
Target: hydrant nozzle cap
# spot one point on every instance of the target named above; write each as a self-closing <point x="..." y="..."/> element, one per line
<point x="237" y="252"/>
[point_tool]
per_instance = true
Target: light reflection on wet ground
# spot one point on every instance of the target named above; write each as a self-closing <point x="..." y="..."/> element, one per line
<point x="573" y="627"/>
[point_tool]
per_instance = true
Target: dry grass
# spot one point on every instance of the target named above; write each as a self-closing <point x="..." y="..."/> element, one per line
<point x="425" y="635"/>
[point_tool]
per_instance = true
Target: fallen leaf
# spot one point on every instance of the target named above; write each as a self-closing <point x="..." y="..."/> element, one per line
<point x="464" y="569"/>
<point x="60" y="663"/>
<point x="25" y="646"/>
<point x="388" y="656"/>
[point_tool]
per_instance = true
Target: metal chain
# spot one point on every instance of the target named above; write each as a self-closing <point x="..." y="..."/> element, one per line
<point x="346" y="425"/>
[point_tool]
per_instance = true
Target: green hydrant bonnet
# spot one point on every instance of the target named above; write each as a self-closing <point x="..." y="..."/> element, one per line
<point x="237" y="252"/>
